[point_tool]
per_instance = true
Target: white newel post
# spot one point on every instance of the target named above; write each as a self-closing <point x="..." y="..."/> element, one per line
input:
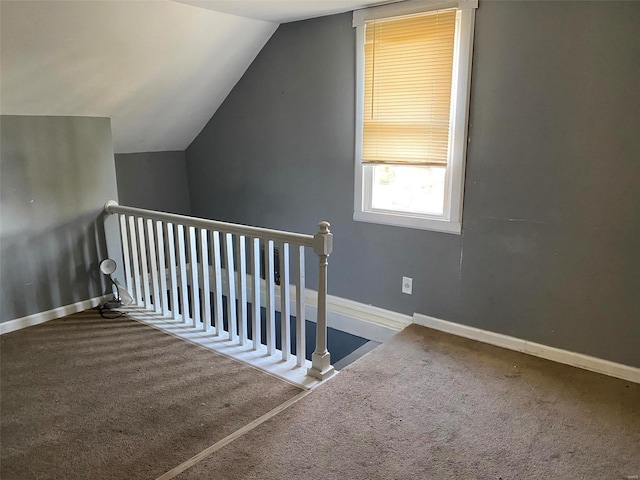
<point x="321" y="367"/>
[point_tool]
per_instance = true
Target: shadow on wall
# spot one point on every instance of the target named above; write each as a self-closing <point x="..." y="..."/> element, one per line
<point x="57" y="266"/>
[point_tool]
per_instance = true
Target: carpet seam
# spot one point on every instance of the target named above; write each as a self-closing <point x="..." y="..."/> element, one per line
<point x="207" y="452"/>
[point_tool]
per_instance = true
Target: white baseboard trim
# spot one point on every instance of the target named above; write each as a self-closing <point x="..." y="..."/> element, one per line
<point x="574" y="359"/>
<point x="362" y="320"/>
<point x="359" y="319"/>
<point x="41" y="317"/>
<point x="368" y="313"/>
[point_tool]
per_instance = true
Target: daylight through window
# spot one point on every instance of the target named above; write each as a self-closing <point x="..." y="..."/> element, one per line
<point x="413" y="79"/>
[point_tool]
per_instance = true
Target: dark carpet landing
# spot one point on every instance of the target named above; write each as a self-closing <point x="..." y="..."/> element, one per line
<point x="339" y="343"/>
<point x="88" y="398"/>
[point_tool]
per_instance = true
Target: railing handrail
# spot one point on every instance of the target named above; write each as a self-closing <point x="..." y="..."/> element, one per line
<point x="152" y="259"/>
<point x="301" y="239"/>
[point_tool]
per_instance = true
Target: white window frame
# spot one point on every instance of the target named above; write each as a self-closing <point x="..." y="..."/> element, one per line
<point x="451" y="219"/>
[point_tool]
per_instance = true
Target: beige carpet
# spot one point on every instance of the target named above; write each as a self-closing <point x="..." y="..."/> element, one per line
<point x="88" y="398"/>
<point x="428" y="405"/>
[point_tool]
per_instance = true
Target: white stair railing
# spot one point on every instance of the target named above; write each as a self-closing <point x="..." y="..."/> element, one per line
<point x="183" y="268"/>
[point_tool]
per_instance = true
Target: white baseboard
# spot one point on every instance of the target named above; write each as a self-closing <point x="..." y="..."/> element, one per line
<point x="41" y="317"/>
<point x="359" y="319"/>
<point x="362" y="320"/>
<point x="574" y="359"/>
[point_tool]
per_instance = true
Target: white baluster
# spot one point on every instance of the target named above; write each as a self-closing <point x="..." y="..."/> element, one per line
<point x="126" y="253"/>
<point x="204" y="274"/>
<point x="143" y="263"/>
<point x="241" y="274"/>
<point x="255" y="312"/>
<point x="195" y="284"/>
<point x="301" y="340"/>
<point x="162" y="269"/>
<point x="170" y="235"/>
<point x="137" y="293"/>
<point x="157" y="305"/>
<point x="182" y="265"/>
<point x="231" y="297"/>
<point x="217" y="269"/>
<point x="321" y="367"/>
<point x="285" y="310"/>
<point x="270" y="300"/>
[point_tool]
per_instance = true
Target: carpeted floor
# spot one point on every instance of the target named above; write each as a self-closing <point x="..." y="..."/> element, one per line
<point x="428" y="405"/>
<point x="88" y="398"/>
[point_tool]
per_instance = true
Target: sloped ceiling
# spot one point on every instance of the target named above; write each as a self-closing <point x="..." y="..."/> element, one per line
<point x="159" y="69"/>
<point x="282" y="11"/>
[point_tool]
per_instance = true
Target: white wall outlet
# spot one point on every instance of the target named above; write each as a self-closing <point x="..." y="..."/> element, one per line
<point x="407" y="285"/>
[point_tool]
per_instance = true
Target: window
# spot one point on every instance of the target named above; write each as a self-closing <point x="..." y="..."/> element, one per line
<point x="413" y="79"/>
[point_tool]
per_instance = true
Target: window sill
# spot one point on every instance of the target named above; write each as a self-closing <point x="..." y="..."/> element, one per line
<point x="409" y="221"/>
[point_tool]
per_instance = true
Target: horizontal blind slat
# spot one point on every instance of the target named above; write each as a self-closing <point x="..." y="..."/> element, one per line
<point x="408" y="77"/>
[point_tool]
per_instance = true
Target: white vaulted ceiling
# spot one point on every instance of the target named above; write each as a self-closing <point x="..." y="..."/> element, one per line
<point x="281" y="11"/>
<point x="159" y="69"/>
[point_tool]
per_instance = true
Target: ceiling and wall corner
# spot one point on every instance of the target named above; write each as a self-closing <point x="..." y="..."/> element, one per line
<point x="159" y="69"/>
<point x="283" y="11"/>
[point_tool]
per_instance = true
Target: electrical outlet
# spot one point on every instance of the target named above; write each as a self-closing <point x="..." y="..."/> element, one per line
<point x="407" y="285"/>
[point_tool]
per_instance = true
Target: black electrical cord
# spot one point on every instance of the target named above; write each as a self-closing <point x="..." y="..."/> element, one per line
<point x="114" y="314"/>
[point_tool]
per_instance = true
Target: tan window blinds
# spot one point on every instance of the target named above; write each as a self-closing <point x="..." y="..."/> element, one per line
<point x="407" y="97"/>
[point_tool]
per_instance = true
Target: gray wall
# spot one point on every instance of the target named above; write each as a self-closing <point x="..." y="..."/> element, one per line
<point x="153" y="180"/>
<point x="56" y="173"/>
<point x="551" y="227"/>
